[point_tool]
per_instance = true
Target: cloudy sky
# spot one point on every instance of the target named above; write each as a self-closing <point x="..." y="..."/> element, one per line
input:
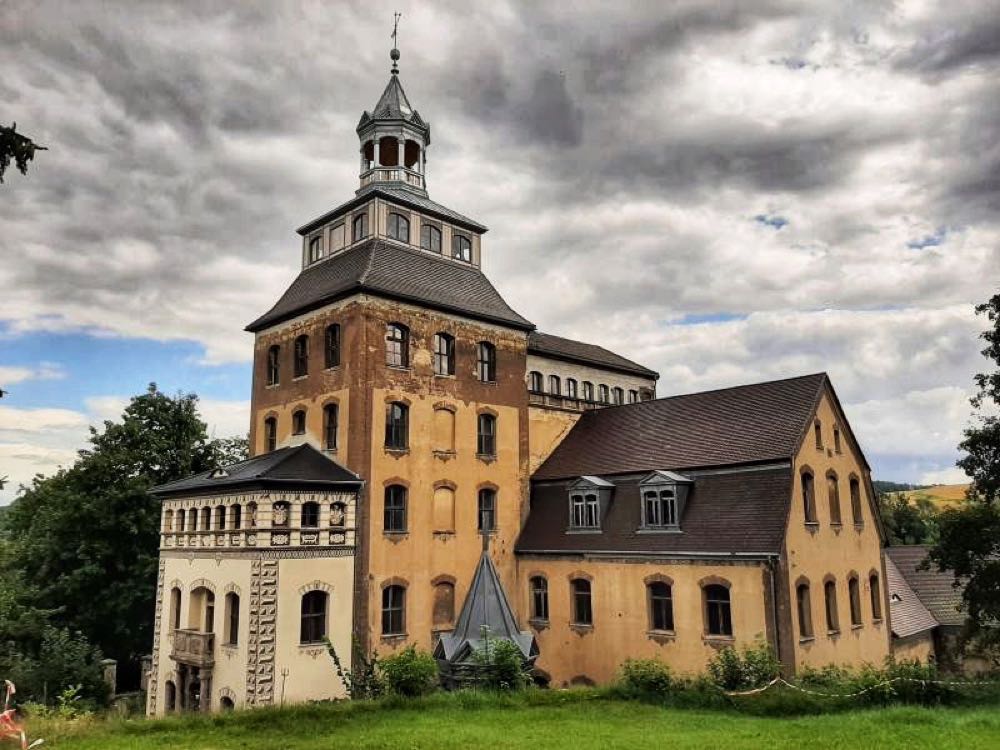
<point x="725" y="191"/>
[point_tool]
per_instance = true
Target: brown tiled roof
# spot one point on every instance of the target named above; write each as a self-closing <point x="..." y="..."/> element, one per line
<point x="935" y="589"/>
<point x="907" y="613"/>
<point x="391" y="270"/>
<point x="556" y="347"/>
<point x="732" y="512"/>
<point x="746" y="424"/>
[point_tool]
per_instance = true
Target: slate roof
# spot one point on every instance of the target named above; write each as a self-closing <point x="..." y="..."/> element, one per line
<point x="394" y="271"/>
<point x="908" y="616"/>
<point x="393" y="105"/>
<point x="934" y="588"/>
<point x="758" y="423"/>
<point x="301" y="465"/>
<point x="733" y="512"/>
<point x="556" y="347"/>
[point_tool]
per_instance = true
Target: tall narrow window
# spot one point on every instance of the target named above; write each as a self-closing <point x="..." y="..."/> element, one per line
<point x="336" y="238"/>
<point x="487" y="437"/>
<point x="274" y="365"/>
<point x="571" y="388"/>
<point x="192" y="519"/>
<point x="315" y="250"/>
<point x="830" y="597"/>
<point x="299" y="422"/>
<point x="209" y="612"/>
<point x="808" y="497"/>
<point x="856" y="501"/>
<point x="175" y="608"/>
<point x="206" y="519"/>
<point x="220" y="517"/>
<point x="633" y="397"/>
<point x="180" y="520"/>
<point x="444" y="354"/>
<point x="535" y="382"/>
<point x="359" y="227"/>
<point x="393" y="610"/>
<point x="396" y="426"/>
<point x="461" y="248"/>
<point x="487" y="510"/>
<point x="443" y="614"/>
<point x="301" y="356"/>
<point x="251" y="515"/>
<point x="310" y="515"/>
<point x="443" y="511"/>
<point x="430" y="238"/>
<point x="487" y="362"/>
<point x="331" y="346"/>
<point x="539" y="598"/>
<point x="397" y="345"/>
<point x="331" y="415"/>
<point x="313" y="622"/>
<point x="235" y="516"/>
<point x="833" y="493"/>
<point x="555" y="387"/>
<point x="399" y="227"/>
<point x="270" y="434"/>
<point x="804" y="606"/>
<point x="232" y="619"/>
<point x="854" y="594"/>
<point x="168" y="520"/>
<point x="588" y="390"/>
<point x="602" y="393"/>
<point x="818" y="434"/>
<point x="583" y="613"/>
<point x="617" y="396"/>
<point x="836" y="439"/>
<point x="661" y="606"/>
<point x="394" y="512"/>
<point x="718" y="611"/>
<point x="876" y="596"/>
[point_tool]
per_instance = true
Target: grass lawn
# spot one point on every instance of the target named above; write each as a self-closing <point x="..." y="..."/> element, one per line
<point x="577" y="722"/>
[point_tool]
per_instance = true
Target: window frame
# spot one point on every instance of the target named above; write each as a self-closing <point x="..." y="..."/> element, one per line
<point x="803" y="605"/>
<point x="854" y="599"/>
<point x="661" y="606"/>
<point x="585" y="506"/>
<point x="718" y="608"/>
<point x="309" y="515"/>
<point x="397" y="426"/>
<point x="875" y="594"/>
<point x="300" y="357"/>
<point x="270" y="434"/>
<point x="359" y="227"/>
<point x="856" y="510"/>
<point x="299" y="422"/>
<point x="603" y="394"/>
<point x="536" y="382"/>
<point x="833" y="498"/>
<point x="572" y="388"/>
<point x="444" y="354"/>
<point x="331" y="346"/>
<point x="315" y="619"/>
<point x="273" y="365"/>
<point x="393" y="610"/>
<point x="394" y="222"/>
<point x="315" y="249"/>
<point x="588" y="391"/>
<point x="582" y="603"/>
<point x="486" y="439"/>
<point x="538" y="587"/>
<point x="664" y="506"/>
<point x="461" y="247"/>
<point x="232" y="619"/>
<point x="486" y="510"/>
<point x="486" y="362"/>
<point x="808" y="481"/>
<point x="331" y="426"/>
<point x="427" y="243"/>
<point x="830" y="606"/>
<point x="617" y="396"/>
<point x="397" y="345"/>
<point x="394" y="509"/>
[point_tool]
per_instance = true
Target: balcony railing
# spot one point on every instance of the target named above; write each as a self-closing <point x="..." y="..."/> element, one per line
<point x="536" y="398"/>
<point x="194" y="648"/>
<point x="276" y="536"/>
<point x="392" y="174"/>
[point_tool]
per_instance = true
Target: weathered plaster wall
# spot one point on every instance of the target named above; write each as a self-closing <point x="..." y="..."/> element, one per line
<point x="919" y="647"/>
<point x="546" y="429"/>
<point x="549" y="366"/>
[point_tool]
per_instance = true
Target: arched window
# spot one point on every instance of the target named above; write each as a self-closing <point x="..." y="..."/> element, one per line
<point x="444" y="509"/>
<point x="856" y="501"/>
<point x="487" y="362"/>
<point x="301" y="358"/>
<point x="818" y="434"/>
<point x="539" y="598"/>
<point x="313" y="623"/>
<point x="235" y="516"/>
<point x="833" y="493"/>
<point x="487" y="506"/>
<point x="583" y="613"/>
<point x="535" y="382"/>
<point x="808" y="497"/>
<point x="661" y="606"/>
<point x="830" y="598"/>
<point x="602" y="393"/>
<point x="232" y="619"/>
<point x="175" y="608"/>
<point x="394" y="610"/>
<point x="461" y="247"/>
<point x="206" y="518"/>
<point x="633" y="397"/>
<point x="226" y="703"/>
<point x="274" y="365"/>
<point x="338" y="515"/>
<point x="201" y="610"/>
<point x="443" y="614"/>
<point x="331" y="415"/>
<point x="430" y="238"/>
<point x="486" y="444"/>
<point x="315" y="249"/>
<point x="571" y="388"/>
<point x="299" y="422"/>
<point x="802" y="601"/>
<point x="310" y="515"/>
<point x="660" y="508"/>
<point x="251" y="515"/>
<point x="444" y="354"/>
<point x="399" y="227"/>
<point x="192" y="519"/>
<point x="718" y="611"/>
<point x="584" y="511"/>
<point x="331" y="346"/>
<point x="396" y="426"/>
<point x="876" y="596"/>
<point x="444" y="430"/>
<point x="168" y="520"/>
<point x="555" y="385"/>
<point x="588" y="390"/>
<point x="270" y="434"/>
<point x="180" y="520"/>
<point x="836" y="439"/>
<point x="220" y="517"/>
<point x="397" y="345"/>
<point x="618" y="396"/>
<point x="170" y="691"/>
<point x="394" y="510"/>
<point x="359" y="227"/>
<point x="336" y="238"/>
<point x="854" y="594"/>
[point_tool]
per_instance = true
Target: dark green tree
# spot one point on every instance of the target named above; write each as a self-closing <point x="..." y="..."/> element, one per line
<point x="969" y="543"/>
<point x="86" y="540"/>
<point x="17" y="147"/>
<point x="906" y="521"/>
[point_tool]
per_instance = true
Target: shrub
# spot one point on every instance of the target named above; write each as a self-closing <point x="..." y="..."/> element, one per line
<point x="501" y="663"/>
<point x="754" y="667"/>
<point x="646" y="677"/>
<point x="410" y="672"/>
<point x="365" y="680"/>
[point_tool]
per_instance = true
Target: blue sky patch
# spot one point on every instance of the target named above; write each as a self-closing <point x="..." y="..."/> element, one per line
<point x="771" y="220"/>
<point x="930" y="240"/>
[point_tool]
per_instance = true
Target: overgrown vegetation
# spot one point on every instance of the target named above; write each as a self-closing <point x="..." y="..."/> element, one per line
<point x="365" y="682"/>
<point x="501" y="663"/>
<point x="410" y="672"/>
<point x="752" y="667"/>
<point x="908" y="520"/>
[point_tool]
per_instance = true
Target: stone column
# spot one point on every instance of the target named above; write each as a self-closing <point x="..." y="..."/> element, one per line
<point x="401" y="146"/>
<point x="206" y="690"/>
<point x="377" y="160"/>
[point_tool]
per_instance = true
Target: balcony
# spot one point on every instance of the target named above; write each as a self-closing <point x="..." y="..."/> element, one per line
<point x="551" y="401"/>
<point x="392" y="174"/>
<point x="194" y="648"/>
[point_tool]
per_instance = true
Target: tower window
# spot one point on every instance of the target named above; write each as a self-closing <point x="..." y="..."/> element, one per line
<point x="461" y="248"/>
<point x="486" y="444"/>
<point x="331" y="348"/>
<point x="430" y="238"/>
<point x="274" y="365"/>
<point x="315" y="249"/>
<point x="396" y="426"/>
<point x="270" y="434"/>
<point x="583" y="613"/>
<point x="487" y="362"/>
<point x="718" y="611"/>
<point x="661" y="606"/>
<point x="444" y="354"/>
<point x="330" y="418"/>
<point x="399" y="227"/>
<point x="394" y="510"/>
<point x="397" y="345"/>
<point x="818" y="434"/>
<point x="535" y="382"/>
<point x="487" y="506"/>
<point x="301" y="356"/>
<point x="539" y="598"/>
<point x="299" y="422"/>
<point x="836" y="439"/>
<point x="359" y="227"/>
<point x="313" y="625"/>
<point x="394" y="610"/>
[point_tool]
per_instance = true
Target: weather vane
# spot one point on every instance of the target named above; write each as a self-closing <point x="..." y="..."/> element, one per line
<point x="395" y="38"/>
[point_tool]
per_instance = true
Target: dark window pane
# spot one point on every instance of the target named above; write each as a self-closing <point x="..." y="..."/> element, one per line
<point x="330" y="418"/>
<point x="487" y="438"/>
<point x="487" y="362"/>
<point x="487" y="510"/>
<point x="393" y="610"/>
<point x="397" y="345"/>
<point x="582" y="614"/>
<point x="332" y="346"/>
<point x="430" y="238"/>
<point x="661" y="606"/>
<point x="396" y="428"/>
<point x="313" y="628"/>
<point x="394" y="518"/>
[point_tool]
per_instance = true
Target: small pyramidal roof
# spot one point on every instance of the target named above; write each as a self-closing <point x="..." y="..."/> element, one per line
<point x="394" y="105"/>
<point x="486" y="609"/>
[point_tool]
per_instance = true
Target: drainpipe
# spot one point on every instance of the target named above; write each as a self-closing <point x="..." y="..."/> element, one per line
<point x="774" y="607"/>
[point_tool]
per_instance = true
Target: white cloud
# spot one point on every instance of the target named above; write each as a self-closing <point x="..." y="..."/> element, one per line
<point x="952" y="475"/>
<point x="44" y="371"/>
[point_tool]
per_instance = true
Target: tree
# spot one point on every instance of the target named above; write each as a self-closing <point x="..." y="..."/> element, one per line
<point x="86" y="540"/>
<point x="969" y="544"/>
<point x="16" y="146"/>
<point x="906" y="521"/>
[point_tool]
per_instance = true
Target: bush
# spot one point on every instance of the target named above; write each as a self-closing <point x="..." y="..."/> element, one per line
<point x="754" y="667"/>
<point x="502" y="664"/>
<point x="410" y="672"/>
<point x="646" y="677"/>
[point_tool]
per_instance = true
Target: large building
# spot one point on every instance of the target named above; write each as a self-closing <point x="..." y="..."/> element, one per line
<point x="401" y="410"/>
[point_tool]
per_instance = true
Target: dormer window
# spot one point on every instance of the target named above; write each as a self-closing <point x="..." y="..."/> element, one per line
<point x="430" y="238"/>
<point x="359" y="227"/>
<point x="663" y="495"/>
<point x="399" y="227"/>
<point x="589" y="498"/>
<point x="315" y="249"/>
<point x="461" y="248"/>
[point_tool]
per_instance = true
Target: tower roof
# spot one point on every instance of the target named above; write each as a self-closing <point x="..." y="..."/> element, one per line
<point x="394" y="106"/>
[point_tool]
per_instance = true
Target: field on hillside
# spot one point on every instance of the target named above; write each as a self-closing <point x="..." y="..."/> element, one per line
<point x="577" y="724"/>
<point x="942" y="495"/>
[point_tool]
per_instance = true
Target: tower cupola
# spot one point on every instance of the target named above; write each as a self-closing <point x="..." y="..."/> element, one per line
<point x="394" y="139"/>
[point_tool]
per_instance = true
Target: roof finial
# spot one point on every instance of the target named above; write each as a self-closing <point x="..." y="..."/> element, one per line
<point x="394" y="54"/>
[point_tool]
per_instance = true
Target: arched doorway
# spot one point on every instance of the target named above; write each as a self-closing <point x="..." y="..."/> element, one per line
<point x="170" y="696"/>
<point x="226" y="703"/>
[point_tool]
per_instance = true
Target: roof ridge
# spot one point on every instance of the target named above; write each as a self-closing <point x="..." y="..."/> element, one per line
<point x="290" y="451"/>
<point x="371" y="247"/>
<point x="821" y="373"/>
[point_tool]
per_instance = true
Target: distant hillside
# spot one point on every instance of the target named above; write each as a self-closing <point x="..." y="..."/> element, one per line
<point x="941" y="495"/>
<point x="881" y="486"/>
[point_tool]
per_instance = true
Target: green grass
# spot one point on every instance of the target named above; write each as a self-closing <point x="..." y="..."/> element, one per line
<point x="577" y="719"/>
